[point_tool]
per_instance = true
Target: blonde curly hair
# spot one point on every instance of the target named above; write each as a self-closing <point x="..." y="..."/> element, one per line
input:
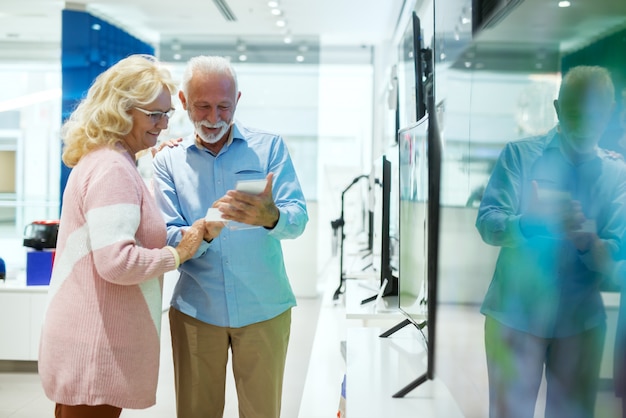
<point x="102" y="118"/>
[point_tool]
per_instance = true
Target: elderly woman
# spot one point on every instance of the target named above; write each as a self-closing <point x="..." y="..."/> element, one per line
<point x="99" y="348"/>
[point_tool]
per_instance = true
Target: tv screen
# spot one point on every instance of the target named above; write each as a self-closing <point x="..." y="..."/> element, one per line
<point x="411" y="103"/>
<point x="385" y="250"/>
<point x="419" y="168"/>
<point x="413" y="265"/>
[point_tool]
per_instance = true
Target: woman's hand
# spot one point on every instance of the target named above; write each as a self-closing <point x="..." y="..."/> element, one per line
<point x="192" y="238"/>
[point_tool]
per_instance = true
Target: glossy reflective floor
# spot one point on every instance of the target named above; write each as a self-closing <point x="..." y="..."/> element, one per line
<point x="315" y="367"/>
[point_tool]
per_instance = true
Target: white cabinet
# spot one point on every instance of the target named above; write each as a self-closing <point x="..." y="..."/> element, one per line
<point x="21" y="316"/>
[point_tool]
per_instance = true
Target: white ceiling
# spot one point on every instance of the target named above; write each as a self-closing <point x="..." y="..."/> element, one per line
<point x="329" y="22"/>
<point x="32" y="28"/>
<point x="543" y="23"/>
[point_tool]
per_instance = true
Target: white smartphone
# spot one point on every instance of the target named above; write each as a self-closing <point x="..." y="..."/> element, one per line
<point x="251" y="186"/>
<point x="214" y="215"/>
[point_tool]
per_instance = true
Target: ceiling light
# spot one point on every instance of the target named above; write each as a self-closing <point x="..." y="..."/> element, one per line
<point x="96" y="26"/>
<point x="272" y="3"/>
<point x="281" y="23"/>
<point x="300" y="58"/>
<point x="287" y="39"/>
<point x="276" y="12"/>
<point x="564" y="3"/>
<point x="177" y="57"/>
<point x="243" y="57"/>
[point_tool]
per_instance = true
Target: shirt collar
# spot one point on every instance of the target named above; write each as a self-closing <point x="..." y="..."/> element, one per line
<point x="554" y="138"/>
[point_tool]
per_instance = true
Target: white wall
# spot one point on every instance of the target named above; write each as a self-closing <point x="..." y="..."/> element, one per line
<point x="323" y="112"/>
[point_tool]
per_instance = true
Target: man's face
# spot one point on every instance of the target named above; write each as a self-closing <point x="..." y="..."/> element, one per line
<point x="211" y="104"/>
<point x="583" y="119"/>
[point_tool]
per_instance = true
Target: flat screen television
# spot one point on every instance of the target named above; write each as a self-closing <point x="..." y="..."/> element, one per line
<point x="385" y="250"/>
<point x="419" y="151"/>
<point x="411" y="73"/>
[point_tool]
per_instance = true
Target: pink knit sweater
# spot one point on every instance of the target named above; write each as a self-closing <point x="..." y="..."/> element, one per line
<point x="100" y="338"/>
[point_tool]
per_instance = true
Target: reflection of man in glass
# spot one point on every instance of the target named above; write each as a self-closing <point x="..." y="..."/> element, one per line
<point x="556" y="206"/>
<point x="620" y="335"/>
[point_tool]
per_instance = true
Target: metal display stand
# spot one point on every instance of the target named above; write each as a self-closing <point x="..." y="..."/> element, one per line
<point x="337" y="226"/>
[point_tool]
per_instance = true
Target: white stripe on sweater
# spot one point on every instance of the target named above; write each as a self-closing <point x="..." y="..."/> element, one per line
<point x="111" y="224"/>
<point x="151" y="290"/>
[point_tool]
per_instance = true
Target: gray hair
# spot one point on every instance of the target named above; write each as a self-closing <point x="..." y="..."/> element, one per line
<point x="585" y="79"/>
<point x="207" y="64"/>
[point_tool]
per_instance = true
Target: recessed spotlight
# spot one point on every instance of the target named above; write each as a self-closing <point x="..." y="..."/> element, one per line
<point x="177" y="57"/>
<point x="276" y="12"/>
<point x="272" y="3"/>
<point x="281" y="23"/>
<point x="564" y="3"/>
<point x="287" y="39"/>
<point x="96" y="26"/>
<point x="243" y="57"/>
<point x="300" y="58"/>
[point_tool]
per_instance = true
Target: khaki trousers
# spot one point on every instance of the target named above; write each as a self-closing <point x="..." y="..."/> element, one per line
<point x="516" y="362"/>
<point x="200" y="355"/>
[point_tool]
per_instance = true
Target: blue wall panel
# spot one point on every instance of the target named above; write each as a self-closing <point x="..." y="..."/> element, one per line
<point x="89" y="46"/>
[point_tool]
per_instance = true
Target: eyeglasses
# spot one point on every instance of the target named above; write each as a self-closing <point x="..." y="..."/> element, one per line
<point x="156" y="115"/>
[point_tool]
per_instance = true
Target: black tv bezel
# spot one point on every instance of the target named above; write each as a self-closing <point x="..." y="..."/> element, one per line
<point x="418" y="62"/>
<point x="386" y="270"/>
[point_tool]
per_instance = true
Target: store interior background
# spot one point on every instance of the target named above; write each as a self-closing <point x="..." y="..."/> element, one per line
<point x="336" y="112"/>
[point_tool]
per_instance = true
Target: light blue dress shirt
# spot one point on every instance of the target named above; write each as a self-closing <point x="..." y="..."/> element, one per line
<point x="542" y="284"/>
<point x="239" y="278"/>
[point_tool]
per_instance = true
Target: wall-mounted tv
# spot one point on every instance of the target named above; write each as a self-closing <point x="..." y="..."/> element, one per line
<point x="488" y="13"/>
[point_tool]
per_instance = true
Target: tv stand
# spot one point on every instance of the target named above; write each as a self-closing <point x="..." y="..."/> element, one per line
<point x="401" y="325"/>
<point x="373" y="375"/>
<point x="387" y="288"/>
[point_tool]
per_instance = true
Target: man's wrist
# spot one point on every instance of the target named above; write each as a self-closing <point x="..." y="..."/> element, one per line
<point x="275" y="222"/>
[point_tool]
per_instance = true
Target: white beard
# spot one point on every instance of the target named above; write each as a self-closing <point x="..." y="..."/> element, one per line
<point x="208" y="138"/>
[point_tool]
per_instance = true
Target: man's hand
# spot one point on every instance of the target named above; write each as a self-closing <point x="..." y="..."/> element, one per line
<point x="551" y="213"/>
<point x="250" y="209"/>
<point x="171" y="143"/>
<point x="212" y="230"/>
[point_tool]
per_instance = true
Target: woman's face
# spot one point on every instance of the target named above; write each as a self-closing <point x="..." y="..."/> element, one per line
<point x="146" y="128"/>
